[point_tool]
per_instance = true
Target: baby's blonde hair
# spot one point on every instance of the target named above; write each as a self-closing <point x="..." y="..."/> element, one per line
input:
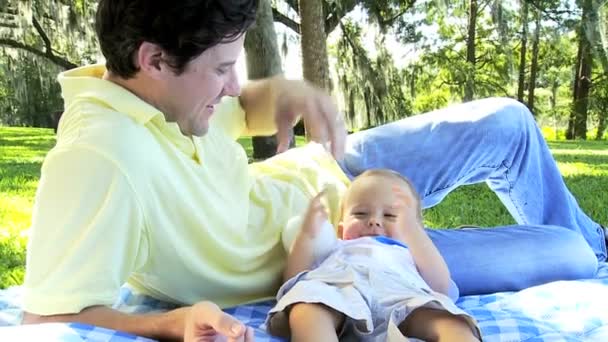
<point x="387" y="173"/>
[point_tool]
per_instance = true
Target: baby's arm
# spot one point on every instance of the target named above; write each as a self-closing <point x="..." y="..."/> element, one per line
<point x="315" y="237"/>
<point x="428" y="260"/>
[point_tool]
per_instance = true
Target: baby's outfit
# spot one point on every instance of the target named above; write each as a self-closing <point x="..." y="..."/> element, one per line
<point x="373" y="281"/>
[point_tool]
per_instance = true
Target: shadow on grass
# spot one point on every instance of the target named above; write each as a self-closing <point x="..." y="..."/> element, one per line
<point x="14" y="176"/>
<point x="38" y="143"/>
<point x="582" y="145"/>
<point x="594" y="160"/>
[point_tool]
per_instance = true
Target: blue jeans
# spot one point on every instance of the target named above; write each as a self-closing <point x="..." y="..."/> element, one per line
<point x="497" y="141"/>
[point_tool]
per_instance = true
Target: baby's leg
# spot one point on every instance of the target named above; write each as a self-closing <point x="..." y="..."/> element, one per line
<point x="314" y="322"/>
<point x="434" y="325"/>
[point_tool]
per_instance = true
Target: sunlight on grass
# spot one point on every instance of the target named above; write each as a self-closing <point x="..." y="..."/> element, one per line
<point x="22" y="151"/>
<point x="579" y="169"/>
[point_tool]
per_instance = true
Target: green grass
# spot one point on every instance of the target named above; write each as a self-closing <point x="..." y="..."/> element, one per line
<point x="584" y="165"/>
<point x="21" y="153"/>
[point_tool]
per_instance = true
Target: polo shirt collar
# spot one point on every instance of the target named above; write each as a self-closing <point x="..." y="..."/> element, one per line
<point x="87" y="82"/>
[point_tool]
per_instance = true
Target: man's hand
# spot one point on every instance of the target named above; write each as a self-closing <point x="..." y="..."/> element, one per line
<point x="206" y="322"/>
<point x="324" y="123"/>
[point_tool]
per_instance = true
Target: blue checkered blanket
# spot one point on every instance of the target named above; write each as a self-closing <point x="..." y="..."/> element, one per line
<point x="563" y="311"/>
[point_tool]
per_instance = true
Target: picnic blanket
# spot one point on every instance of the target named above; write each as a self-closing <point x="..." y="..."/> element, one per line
<point x="560" y="311"/>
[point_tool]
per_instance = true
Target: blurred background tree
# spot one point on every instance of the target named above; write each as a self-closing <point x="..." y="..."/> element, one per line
<point x="382" y="60"/>
<point x="38" y="39"/>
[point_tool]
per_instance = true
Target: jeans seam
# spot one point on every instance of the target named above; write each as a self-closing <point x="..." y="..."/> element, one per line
<point x="495" y="167"/>
<point x="522" y="217"/>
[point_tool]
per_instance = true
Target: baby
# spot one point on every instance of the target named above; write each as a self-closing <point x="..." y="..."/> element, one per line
<point x="384" y="281"/>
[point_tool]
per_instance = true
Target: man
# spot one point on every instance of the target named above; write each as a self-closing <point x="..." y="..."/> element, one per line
<point x="168" y="66"/>
<point x="147" y="184"/>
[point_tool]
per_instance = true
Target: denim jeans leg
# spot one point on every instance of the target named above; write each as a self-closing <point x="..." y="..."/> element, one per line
<point x="484" y="260"/>
<point x="494" y="140"/>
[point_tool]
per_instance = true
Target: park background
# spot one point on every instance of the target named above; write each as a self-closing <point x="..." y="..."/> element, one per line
<point x="382" y="60"/>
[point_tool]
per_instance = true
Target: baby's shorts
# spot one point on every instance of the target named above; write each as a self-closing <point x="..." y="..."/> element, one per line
<point x="374" y="303"/>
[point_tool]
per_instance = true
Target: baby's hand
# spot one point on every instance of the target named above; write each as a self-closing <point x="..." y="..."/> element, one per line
<point x="409" y="206"/>
<point x="315" y="216"/>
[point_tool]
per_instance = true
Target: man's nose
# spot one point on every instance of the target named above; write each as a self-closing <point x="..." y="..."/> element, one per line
<point x="232" y="87"/>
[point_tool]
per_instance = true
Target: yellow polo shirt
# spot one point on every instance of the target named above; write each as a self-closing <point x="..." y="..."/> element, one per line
<point x="125" y="197"/>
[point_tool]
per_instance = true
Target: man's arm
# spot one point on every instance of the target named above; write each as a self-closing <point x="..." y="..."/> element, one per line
<point x="275" y="104"/>
<point x="188" y="323"/>
<point x="169" y="325"/>
<point x="258" y="99"/>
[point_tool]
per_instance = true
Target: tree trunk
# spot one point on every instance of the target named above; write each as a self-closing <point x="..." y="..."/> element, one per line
<point x="263" y="60"/>
<point x="575" y="86"/>
<point x="469" y="90"/>
<point x="582" y="99"/>
<point x="554" y="89"/>
<point x="522" y="52"/>
<point x="315" y="64"/>
<point x="534" y="66"/>
<point x="368" y="109"/>
<point x="594" y="33"/>
<point x="352" y="114"/>
<point x="577" y="125"/>
<point x="412" y="82"/>
<point x="601" y="126"/>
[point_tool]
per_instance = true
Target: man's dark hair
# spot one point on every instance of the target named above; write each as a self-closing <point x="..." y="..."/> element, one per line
<point x="182" y="28"/>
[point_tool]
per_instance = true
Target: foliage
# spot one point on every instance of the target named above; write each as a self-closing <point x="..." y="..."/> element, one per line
<point x="31" y="92"/>
<point x="60" y="30"/>
<point x="372" y="88"/>
<point x="39" y="38"/>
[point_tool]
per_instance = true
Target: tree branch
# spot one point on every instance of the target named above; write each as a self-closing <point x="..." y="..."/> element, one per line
<point x="488" y="82"/>
<point x="45" y="38"/>
<point x="294" y="4"/>
<point x="551" y="14"/>
<point x="451" y="84"/>
<point x="64" y="63"/>
<point x="361" y="55"/>
<point x="346" y="35"/>
<point x="283" y="19"/>
<point x="10" y="10"/>
<point x="333" y="18"/>
<point x="389" y="22"/>
<point x="599" y="80"/>
<point x="8" y="25"/>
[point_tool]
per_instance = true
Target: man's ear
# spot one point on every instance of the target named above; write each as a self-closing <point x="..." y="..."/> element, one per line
<point x="149" y="58"/>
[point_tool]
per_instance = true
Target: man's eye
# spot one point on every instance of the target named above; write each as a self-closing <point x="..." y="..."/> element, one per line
<point x="359" y="213"/>
<point x="221" y="71"/>
<point x="390" y="215"/>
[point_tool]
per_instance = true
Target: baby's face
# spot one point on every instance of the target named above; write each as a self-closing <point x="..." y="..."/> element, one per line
<point x="376" y="205"/>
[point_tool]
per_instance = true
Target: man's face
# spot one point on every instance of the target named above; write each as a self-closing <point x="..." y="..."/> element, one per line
<point x="190" y="98"/>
